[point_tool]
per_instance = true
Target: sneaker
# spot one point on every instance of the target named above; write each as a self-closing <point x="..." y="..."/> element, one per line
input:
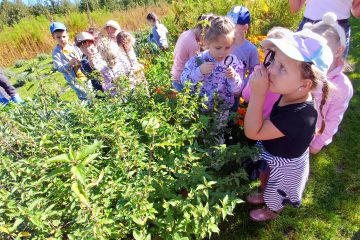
<point x="262" y="215"/>
<point x="255" y="199"/>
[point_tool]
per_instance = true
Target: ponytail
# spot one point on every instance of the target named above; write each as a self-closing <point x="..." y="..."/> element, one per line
<point x="325" y="95"/>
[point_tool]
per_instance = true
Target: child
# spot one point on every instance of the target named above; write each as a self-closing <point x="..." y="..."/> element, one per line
<point x="158" y="32"/>
<point x="187" y="46"/>
<point x="113" y="71"/>
<point x="133" y="69"/>
<point x="300" y="64"/>
<point x="92" y="60"/>
<point x="210" y="67"/>
<point x="339" y="98"/>
<point x="67" y="59"/>
<point x="271" y="98"/>
<point x="112" y="28"/>
<point x="9" y="90"/>
<point x="243" y="49"/>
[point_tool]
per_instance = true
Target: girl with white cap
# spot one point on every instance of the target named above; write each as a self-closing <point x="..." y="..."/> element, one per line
<point x="297" y="64"/>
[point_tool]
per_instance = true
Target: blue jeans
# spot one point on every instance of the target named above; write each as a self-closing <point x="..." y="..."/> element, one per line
<point x="344" y="23"/>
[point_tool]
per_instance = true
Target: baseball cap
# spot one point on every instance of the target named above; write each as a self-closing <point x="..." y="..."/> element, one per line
<point x="239" y="15"/>
<point x="305" y="46"/>
<point x="57" y="26"/>
<point x="112" y="23"/>
<point x="83" y="36"/>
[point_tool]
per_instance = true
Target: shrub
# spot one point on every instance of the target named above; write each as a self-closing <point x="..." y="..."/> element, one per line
<point x="114" y="170"/>
<point x="42" y="56"/>
<point x="20" y="63"/>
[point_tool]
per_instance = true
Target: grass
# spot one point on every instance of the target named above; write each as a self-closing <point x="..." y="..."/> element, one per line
<point x="45" y="78"/>
<point x="330" y="208"/>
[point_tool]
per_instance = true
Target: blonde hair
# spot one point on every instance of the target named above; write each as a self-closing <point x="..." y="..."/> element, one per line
<point x="125" y="41"/>
<point x="278" y="32"/>
<point x="219" y="26"/>
<point x="318" y="78"/>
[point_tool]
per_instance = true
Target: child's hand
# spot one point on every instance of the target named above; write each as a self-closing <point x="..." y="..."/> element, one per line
<point x="259" y="80"/>
<point x="207" y="68"/>
<point x="73" y="62"/>
<point x="230" y="73"/>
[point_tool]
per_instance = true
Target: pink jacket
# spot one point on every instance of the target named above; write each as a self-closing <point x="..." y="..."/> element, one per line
<point x="334" y="108"/>
<point x="270" y="99"/>
<point x="186" y="47"/>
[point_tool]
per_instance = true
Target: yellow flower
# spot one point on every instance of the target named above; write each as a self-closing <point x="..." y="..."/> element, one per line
<point x="266" y="8"/>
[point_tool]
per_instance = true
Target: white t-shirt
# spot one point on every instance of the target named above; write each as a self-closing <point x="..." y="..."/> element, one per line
<point x="315" y="9"/>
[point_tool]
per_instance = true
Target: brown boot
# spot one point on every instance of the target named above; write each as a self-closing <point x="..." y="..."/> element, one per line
<point x="263" y="214"/>
<point x="255" y="199"/>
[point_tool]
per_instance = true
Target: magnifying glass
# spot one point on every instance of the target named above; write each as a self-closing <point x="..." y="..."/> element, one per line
<point x="228" y="60"/>
<point x="269" y="58"/>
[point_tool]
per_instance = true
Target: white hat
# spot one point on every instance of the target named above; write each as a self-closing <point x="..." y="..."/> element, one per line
<point x="305" y="46"/>
<point x="112" y="23"/>
<point x="83" y="36"/>
<point x="330" y="19"/>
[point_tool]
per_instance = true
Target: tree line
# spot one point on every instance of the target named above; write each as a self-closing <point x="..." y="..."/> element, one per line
<point x="12" y="11"/>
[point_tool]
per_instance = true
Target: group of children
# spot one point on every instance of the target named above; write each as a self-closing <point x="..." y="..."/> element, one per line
<point x="95" y="62"/>
<point x="296" y="98"/>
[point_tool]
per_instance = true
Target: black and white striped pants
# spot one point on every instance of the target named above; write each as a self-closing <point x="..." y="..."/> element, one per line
<point x="288" y="177"/>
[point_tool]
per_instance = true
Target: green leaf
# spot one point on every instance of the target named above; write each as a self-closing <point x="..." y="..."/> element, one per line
<point x="82" y="198"/>
<point x="89" y="158"/>
<point x="139" y="221"/>
<point x="87" y="150"/>
<point x="55" y="172"/>
<point x="95" y="183"/>
<point x="79" y="173"/>
<point x="62" y="158"/>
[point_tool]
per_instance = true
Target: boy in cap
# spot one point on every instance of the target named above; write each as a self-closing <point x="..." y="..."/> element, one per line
<point x="243" y="49"/>
<point x="67" y="59"/>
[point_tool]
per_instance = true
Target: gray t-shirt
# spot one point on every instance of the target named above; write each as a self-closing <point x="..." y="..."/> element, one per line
<point x="248" y="54"/>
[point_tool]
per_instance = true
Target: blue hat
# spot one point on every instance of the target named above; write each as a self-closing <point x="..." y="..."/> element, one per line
<point x="239" y="15"/>
<point x="57" y="26"/>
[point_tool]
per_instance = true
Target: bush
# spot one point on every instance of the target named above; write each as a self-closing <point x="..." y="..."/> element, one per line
<point x="20" y="81"/>
<point x="20" y="63"/>
<point x="42" y="56"/>
<point x="135" y="166"/>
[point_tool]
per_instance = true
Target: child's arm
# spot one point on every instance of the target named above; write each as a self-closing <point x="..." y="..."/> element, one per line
<point x="192" y="71"/>
<point x="255" y="126"/>
<point x="59" y="65"/>
<point x="296" y="5"/>
<point x="355" y="8"/>
<point x="333" y="118"/>
<point x="162" y="31"/>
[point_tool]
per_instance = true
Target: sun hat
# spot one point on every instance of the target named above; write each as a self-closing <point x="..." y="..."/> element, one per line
<point x="83" y="36"/>
<point x="330" y="19"/>
<point x="305" y="46"/>
<point x="239" y="15"/>
<point x="112" y="23"/>
<point x="57" y="26"/>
